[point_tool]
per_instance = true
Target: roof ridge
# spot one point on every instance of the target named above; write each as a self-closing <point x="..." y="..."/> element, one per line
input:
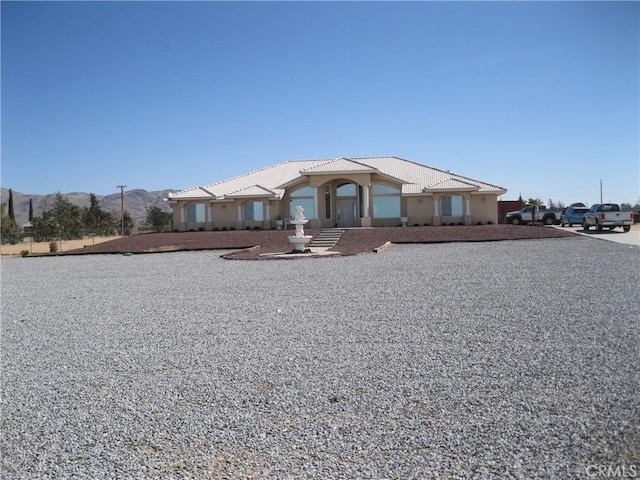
<point x="413" y="162"/>
<point x="479" y="181"/>
<point x="360" y="163"/>
<point x="455" y="178"/>
<point x="250" y="186"/>
<point x="325" y="162"/>
<point x="249" y="173"/>
<point x="335" y="160"/>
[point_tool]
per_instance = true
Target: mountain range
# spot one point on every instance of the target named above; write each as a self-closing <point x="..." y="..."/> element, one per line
<point x="136" y="202"/>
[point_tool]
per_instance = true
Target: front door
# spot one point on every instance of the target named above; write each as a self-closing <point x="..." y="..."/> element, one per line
<point x="347" y="213"/>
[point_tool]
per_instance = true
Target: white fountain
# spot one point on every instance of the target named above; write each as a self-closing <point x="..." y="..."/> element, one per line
<point x="299" y="240"/>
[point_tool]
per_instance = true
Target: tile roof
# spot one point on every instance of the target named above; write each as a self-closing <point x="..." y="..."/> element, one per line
<point x="416" y="179"/>
<point x="252" y="191"/>
<point x="339" y="165"/>
<point x="452" y="184"/>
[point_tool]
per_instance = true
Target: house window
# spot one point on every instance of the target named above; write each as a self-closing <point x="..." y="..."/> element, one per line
<point x="452" y="206"/>
<point x="386" y="201"/>
<point x="195" y="213"/>
<point x="253" y="212"/>
<point x="303" y="197"/>
<point x="327" y="201"/>
<point x="346" y="190"/>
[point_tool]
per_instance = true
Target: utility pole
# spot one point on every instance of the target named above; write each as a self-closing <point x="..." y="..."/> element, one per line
<point x="600" y="190"/>
<point x="122" y="187"/>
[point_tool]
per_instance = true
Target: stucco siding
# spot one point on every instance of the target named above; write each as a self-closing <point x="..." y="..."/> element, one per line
<point x="484" y="209"/>
<point x="420" y="210"/>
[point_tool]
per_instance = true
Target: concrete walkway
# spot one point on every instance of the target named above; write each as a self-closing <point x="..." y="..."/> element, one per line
<point x="630" y="238"/>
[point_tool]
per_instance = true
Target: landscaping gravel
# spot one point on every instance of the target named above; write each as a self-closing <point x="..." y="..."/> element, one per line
<point x="513" y="359"/>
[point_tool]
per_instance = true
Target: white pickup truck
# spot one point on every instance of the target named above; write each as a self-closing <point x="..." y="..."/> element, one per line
<point x="544" y="215"/>
<point x="607" y="215"/>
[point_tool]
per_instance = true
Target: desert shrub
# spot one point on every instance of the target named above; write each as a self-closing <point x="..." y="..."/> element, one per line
<point x="489" y="222"/>
<point x="53" y="247"/>
<point x="24" y="253"/>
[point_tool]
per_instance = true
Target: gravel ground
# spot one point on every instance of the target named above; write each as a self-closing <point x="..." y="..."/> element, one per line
<point x="425" y="361"/>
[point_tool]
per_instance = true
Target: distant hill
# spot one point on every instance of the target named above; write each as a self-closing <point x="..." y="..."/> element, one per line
<point x="136" y="203"/>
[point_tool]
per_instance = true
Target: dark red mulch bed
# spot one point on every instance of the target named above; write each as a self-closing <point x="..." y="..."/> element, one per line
<point x="365" y="240"/>
<point x="353" y="241"/>
<point x="269" y="240"/>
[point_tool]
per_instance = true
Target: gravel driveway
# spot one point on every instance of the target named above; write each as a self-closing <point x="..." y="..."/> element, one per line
<point x="514" y="359"/>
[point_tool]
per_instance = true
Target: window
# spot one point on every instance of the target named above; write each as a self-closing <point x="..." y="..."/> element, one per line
<point x="253" y="212"/>
<point x="346" y="190"/>
<point x="386" y="201"/>
<point x="304" y="198"/>
<point x="452" y="206"/>
<point x="609" y="207"/>
<point x="327" y="201"/>
<point x="195" y="212"/>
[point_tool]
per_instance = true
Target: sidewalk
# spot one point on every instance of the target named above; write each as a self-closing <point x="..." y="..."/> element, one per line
<point x="630" y="238"/>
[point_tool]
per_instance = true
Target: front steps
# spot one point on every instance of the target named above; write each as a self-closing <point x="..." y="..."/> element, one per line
<point x="327" y="238"/>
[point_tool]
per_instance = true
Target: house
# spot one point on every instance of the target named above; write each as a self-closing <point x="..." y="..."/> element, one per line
<point x="341" y="192"/>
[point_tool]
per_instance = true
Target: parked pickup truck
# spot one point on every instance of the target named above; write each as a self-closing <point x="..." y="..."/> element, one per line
<point x="607" y="215"/>
<point x="544" y="215"/>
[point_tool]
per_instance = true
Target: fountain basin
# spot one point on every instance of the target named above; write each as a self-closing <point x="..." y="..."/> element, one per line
<point x="299" y="243"/>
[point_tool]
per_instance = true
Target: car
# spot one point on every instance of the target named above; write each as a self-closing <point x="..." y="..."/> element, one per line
<point x="572" y="215"/>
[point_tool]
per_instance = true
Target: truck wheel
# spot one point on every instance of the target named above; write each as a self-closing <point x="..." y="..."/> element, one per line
<point x="585" y="226"/>
<point x="626" y="228"/>
<point x="548" y="220"/>
<point x="515" y="221"/>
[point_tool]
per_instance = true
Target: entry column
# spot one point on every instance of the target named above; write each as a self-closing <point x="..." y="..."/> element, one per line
<point x="365" y="221"/>
<point x="436" y="210"/>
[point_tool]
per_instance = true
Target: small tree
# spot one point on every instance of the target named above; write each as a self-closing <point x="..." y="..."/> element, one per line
<point x="157" y="219"/>
<point x="64" y="220"/>
<point x="12" y="215"/>
<point x="9" y="230"/>
<point x="68" y="218"/>
<point x="128" y="224"/>
<point x="534" y="204"/>
<point x="98" y="220"/>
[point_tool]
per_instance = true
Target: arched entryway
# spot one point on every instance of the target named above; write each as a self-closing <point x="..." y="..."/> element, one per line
<point x="347" y="214"/>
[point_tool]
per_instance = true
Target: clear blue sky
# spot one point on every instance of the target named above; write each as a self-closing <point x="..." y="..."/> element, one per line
<point x="541" y="98"/>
